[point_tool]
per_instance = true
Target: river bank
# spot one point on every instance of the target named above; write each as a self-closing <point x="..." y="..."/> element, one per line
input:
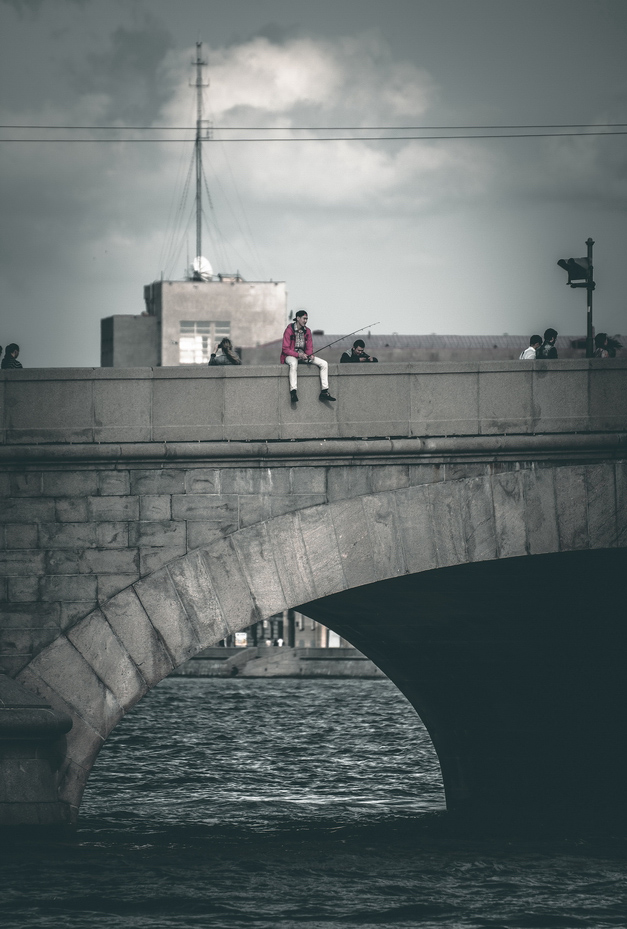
<point x="279" y="661"/>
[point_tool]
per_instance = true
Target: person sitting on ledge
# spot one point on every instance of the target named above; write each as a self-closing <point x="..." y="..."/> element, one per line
<point x="297" y="348"/>
<point x="357" y="354"/>
<point x="225" y="354"/>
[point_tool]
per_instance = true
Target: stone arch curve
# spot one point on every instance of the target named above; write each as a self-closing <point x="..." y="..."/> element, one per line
<point x="108" y="660"/>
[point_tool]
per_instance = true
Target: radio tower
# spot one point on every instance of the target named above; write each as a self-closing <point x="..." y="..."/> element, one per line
<point x="202" y="132"/>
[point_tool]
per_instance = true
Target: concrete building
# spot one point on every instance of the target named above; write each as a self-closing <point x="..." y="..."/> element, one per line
<point x="185" y="320"/>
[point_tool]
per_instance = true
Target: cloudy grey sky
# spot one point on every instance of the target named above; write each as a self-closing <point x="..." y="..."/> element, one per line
<point x="440" y="235"/>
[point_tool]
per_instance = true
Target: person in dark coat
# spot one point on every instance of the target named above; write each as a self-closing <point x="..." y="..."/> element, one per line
<point x="225" y="354"/>
<point x="357" y="354"/>
<point x="10" y="356"/>
<point x="547" y="349"/>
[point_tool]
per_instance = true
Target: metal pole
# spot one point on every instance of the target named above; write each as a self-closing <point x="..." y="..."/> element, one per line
<point x="199" y="64"/>
<point x="589" y="289"/>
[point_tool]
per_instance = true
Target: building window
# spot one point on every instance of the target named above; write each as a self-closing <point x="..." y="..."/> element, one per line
<point x="198" y="338"/>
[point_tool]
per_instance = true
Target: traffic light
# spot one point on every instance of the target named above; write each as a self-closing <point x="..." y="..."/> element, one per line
<point x="578" y="270"/>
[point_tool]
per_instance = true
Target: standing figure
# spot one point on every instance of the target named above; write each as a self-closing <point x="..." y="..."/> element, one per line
<point x="297" y="349"/>
<point x="547" y="349"/>
<point x="530" y="352"/>
<point x="601" y="345"/>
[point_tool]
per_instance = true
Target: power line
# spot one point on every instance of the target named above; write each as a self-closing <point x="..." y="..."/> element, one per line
<point x="325" y="128"/>
<point x="376" y="138"/>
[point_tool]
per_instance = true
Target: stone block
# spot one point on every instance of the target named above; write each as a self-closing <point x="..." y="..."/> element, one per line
<point x="416" y="529"/>
<point x="353" y="539"/>
<point x="255" y="509"/>
<point x="540" y="511"/>
<point x="255" y="550"/>
<point x="231" y="586"/>
<point x="113" y="509"/>
<point x="25" y="484"/>
<point x="21" y="536"/>
<point x="302" y="480"/>
<point x="188" y="408"/>
<point x="155" y="506"/>
<point x="250" y="405"/>
<point x="509" y="514"/>
<point x="570" y="496"/>
<point x="116" y="483"/>
<point x="26" y="510"/>
<point x="113" y="535"/>
<point x="445" y="403"/>
<point x="110" y="561"/>
<point x="70" y="483"/>
<point x="560" y="398"/>
<point x="122" y="410"/>
<point x="289" y="504"/>
<point x="367" y="408"/>
<point x="58" y="413"/>
<point x="608" y="397"/>
<point x="255" y="480"/>
<point x="479" y="521"/>
<point x="94" y="638"/>
<point x="601" y="495"/>
<point x="158" y="481"/>
<point x="64" y="561"/>
<point x="388" y="477"/>
<point x="200" y="535"/>
<point x="68" y="674"/>
<point x="202" y="481"/>
<point x="67" y="535"/>
<point x="22" y="562"/>
<point x="290" y="556"/>
<point x="195" y="588"/>
<point x="68" y="587"/>
<point x="505" y="401"/>
<point x="72" y="611"/>
<point x="344" y="483"/>
<point x="23" y="589"/>
<point x="151" y="559"/>
<point x="130" y="622"/>
<point x="111" y="584"/>
<point x="323" y="554"/>
<point x="385" y="535"/>
<point x="620" y="476"/>
<point x="71" y="509"/>
<point x="165" y="533"/>
<point x="447" y="521"/>
<point x="218" y="509"/>
<point x="160" y="600"/>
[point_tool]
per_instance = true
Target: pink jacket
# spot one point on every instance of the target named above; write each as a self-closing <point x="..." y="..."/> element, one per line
<point x="288" y="343"/>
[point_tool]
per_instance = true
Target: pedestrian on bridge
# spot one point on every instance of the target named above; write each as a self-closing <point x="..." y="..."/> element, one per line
<point x="297" y="348"/>
<point x="10" y="356"/>
<point x="547" y="349"/>
<point x="530" y="352"/>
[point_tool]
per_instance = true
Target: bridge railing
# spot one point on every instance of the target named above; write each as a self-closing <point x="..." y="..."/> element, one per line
<point x="191" y="404"/>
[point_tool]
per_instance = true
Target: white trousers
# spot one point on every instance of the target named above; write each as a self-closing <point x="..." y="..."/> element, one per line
<point x="322" y="364"/>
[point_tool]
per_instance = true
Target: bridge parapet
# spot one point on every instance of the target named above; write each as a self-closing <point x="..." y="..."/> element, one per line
<point x="166" y="405"/>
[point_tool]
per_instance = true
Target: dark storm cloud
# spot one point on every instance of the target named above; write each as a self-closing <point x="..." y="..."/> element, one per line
<point x="129" y="71"/>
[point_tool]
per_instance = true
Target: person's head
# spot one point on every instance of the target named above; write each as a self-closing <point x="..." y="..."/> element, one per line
<point x="600" y="339"/>
<point x="550" y="335"/>
<point x="535" y="341"/>
<point x="359" y="346"/>
<point x="301" y="318"/>
<point x="13" y="350"/>
<point x="225" y="345"/>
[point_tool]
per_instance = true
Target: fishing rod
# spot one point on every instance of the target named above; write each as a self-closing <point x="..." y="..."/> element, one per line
<point x="329" y="344"/>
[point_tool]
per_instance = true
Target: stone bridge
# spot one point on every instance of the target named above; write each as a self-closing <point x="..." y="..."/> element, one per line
<point x="464" y="525"/>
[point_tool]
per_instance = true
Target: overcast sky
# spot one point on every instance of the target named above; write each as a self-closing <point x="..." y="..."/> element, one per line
<point x="443" y="235"/>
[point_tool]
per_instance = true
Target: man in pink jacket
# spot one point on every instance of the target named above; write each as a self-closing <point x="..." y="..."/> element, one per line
<point x="297" y="349"/>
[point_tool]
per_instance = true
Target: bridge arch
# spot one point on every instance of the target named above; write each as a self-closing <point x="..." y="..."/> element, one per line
<point x="109" y="659"/>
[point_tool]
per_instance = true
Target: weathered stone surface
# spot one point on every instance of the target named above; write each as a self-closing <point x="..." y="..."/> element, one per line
<point x="111" y="584"/>
<point x="481" y="530"/>
<point x="67" y="535"/>
<point x="509" y="514"/>
<point x="130" y="623"/>
<point x="601" y="494"/>
<point x="21" y="536"/>
<point x="27" y="509"/>
<point x="193" y="582"/>
<point x="541" y="511"/>
<point x="214" y="508"/>
<point x="229" y="582"/>
<point x="202" y="481"/>
<point x="70" y="483"/>
<point x="446" y="518"/>
<point x="24" y="484"/>
<point x="290" y="556"/>
<point x="621" y="502"/>
<point x="158" y="481"/>
<point x="321" y="546"/>
<point x="390" y="477"/>
<point x="117" y="483"/>
<point x="22" y="562"/>
<point x="385" y="534"/>
<point x="352" y="531"/>
<point x="111" y="508"/>
<point x="71" y="509"/>
<point x="95" y="640"/>
<point x="68" y="587"/>
<point x="570" y="493"/>
<point x="160" y="599"/>
<point x="155" y="506"/>
<point x="23" y="589"/>
<point x="158" y="533"/>
<point x="112" y="535"/>
<point x="65" y="671"/>
<point x="346" y="483"/>
<point x="255" y="551"/>
<point x="416" y="528"/>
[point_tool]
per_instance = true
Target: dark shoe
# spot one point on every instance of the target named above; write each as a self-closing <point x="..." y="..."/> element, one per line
<point x="293" y="396"/>
<point x="325" y="395"/>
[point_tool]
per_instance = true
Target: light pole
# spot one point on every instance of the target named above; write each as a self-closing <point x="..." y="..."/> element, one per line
<point x="581" y="274"/>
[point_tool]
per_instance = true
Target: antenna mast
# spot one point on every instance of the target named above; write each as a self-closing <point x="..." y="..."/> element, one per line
<point x="200" y="62"/>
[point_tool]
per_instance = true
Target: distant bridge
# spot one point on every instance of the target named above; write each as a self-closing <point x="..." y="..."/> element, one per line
<point x="463" y="525"/>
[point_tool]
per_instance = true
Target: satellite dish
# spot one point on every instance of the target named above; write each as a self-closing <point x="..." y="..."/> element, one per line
<point x="202" y="270"/>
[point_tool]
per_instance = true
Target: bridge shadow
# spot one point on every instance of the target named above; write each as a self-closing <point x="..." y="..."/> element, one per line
<point x="517" y="669"/>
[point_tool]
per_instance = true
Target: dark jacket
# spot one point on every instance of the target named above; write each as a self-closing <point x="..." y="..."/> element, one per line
<point x="546" y="350"/>
<point x="352" y="358"/>
<point x="10" y="362"/>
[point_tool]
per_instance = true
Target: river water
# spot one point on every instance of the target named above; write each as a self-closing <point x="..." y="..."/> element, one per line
<point x="277" y="804"/>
